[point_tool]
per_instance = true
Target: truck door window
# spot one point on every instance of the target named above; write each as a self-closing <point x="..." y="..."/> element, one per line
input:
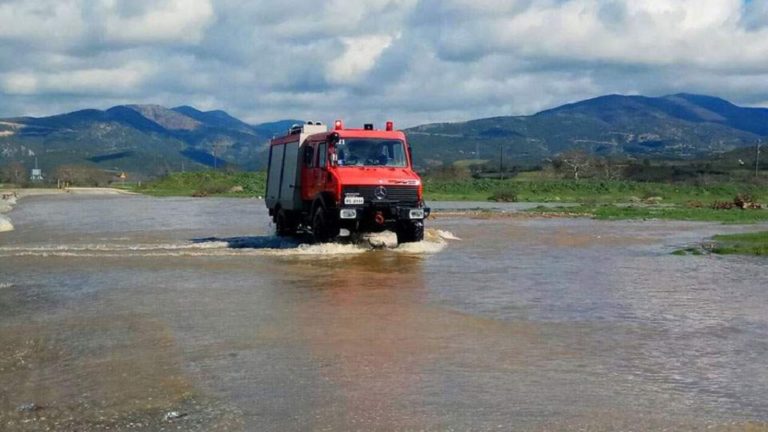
<point x="309" y="156"/>
<point x="322" y="151"/>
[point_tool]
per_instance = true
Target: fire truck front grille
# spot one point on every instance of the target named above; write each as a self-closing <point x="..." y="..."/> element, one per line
<point x="408" y="194"/>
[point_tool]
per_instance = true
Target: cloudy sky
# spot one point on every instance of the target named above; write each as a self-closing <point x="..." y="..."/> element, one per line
<point x="413" y="61"/>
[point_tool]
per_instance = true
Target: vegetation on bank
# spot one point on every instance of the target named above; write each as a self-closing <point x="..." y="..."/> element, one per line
<point x="755" y="243"/>
<point x="592" y="192"/>
<point x="585" y="191"/>
<point x="601" y="199"/>
<point x="669" y="212"/>
<point x="207" y="183"/>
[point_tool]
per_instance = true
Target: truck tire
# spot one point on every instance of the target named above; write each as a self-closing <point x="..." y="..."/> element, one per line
<point x="409" y="232"/>
<point x="324" y="227"/>
<point x="285" y="223"/>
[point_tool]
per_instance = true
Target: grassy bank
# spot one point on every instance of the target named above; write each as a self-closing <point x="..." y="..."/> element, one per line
<point x="669" y="212"/>
<point x="207" y="183"/>
<point x="755" y="243"/>
<point x="615" y="199"/>
<point x="586" y="191"/>
<point x="743" y="244"/>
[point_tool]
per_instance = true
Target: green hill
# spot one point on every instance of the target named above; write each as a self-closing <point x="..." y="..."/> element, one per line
<point x="144" y="140"/>
<point x="681" y="126"/>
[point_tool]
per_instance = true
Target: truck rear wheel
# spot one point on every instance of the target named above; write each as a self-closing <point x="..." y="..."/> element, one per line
<point x="408" y="231"/>
<point x="324" y="227"/>
<point x="285" y="223"/>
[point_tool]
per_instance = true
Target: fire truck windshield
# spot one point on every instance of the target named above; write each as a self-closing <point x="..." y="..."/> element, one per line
<point x="370" y="152"/>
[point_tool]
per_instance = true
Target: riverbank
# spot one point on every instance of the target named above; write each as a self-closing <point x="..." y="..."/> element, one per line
<point x="641" y="211"/>
<point x="610" y="200"/>
<point x="600" y="199"/>
<point x="755" y="243"/>
<point x="751" y="243"/>
<point x="517" y="189"/>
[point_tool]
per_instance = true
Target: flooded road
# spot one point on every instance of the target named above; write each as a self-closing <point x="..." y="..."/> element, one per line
<point x="116" y="312"/>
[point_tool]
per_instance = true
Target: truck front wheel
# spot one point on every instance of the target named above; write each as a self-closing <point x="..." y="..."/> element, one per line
<point x="410" y="231"/>
<point x="324" y="227"/>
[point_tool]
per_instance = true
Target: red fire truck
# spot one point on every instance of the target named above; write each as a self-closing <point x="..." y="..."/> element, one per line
<point x="359" y="180"/>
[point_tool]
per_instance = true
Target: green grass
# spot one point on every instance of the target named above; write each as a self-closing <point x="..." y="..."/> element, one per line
<point x="607" y="200"/>
<point x="755" y="243"/>
<point x="586" y="191"/>
<point x="207" y="183"/>
<point x="613" y="212"/>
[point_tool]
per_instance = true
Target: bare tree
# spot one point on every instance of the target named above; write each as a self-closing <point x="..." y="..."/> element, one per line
<point x="577" y="162"/>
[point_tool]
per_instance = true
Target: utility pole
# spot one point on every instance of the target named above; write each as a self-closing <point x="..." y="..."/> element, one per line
<point x="757" y="159"/>
<point x="501" y="160"/>
<point x="181" y="153"/>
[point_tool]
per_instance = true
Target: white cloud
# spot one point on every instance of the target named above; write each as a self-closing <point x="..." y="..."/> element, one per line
<point x="19" y="84"/>
<point x="93" y="81"/>
<point x="157" y="21"/>
<point x="53" y="22"/>
<point x="410" y="60"/>
<point x="359" y="57"/>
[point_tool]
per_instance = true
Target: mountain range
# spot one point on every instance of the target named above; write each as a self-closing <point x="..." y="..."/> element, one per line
<point x="680" y="126"/>
<point x="149" y="140"/>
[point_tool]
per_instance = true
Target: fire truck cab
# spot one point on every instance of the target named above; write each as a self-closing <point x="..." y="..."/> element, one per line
<point x="359" y="180"/>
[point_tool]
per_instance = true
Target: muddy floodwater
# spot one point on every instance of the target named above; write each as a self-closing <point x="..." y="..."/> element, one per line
<point x="138" y="313"/>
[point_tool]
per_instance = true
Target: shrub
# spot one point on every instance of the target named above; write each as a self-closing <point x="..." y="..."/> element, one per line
<point x="504" y="194"/>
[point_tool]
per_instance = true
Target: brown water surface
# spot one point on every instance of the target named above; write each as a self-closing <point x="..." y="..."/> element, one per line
<point x="115" y="311"/>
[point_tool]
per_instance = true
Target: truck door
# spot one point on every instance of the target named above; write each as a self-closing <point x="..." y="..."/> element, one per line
<point x="308" y="188"/>
<point x="322" y="160"/>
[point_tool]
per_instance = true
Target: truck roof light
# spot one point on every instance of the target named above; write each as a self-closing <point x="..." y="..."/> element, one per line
<point x="368" y="126"/>
<point x="390" y="126"/>
<point x="339" y="125"/>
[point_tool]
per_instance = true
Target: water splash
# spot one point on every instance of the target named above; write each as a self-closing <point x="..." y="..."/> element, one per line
<point x="434" y="241"/>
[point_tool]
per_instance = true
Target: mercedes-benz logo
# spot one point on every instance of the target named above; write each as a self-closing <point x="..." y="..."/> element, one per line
<point x="380" y="192"/>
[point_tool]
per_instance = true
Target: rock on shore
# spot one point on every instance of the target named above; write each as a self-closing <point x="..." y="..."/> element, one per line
<point x="5" y="224"/>
<point x="6" y="204"/>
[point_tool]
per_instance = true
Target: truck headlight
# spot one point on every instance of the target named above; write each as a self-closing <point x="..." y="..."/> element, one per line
<point x="416" y="214"/>
<point x="348" y="214"/>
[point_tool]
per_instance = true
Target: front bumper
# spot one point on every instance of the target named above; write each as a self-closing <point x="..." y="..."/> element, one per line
<point x="390" y="213"/>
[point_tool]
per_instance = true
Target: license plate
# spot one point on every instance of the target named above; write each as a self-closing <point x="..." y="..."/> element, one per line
<point x="353" y="200"/>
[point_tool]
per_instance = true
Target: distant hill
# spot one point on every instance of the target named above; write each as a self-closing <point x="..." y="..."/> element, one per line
<point x="681" y="126"/>
<point x="146" y="140"/>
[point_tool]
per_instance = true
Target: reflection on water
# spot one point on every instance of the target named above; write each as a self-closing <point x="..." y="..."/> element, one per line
<point x="141" y="306"/>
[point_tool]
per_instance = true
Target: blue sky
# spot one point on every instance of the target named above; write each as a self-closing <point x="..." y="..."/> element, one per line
<point x="413" y="61"/>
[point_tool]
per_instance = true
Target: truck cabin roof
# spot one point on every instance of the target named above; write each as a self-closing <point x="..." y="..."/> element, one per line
<point x="343" y="134"/>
